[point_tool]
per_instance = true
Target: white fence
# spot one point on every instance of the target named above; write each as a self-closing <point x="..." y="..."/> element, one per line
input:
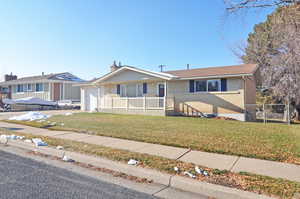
<point x="146" y="103"/>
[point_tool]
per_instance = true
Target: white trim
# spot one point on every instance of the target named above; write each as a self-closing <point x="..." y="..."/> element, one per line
<point x="161" y="75"/>
<point x="214" y="77"/>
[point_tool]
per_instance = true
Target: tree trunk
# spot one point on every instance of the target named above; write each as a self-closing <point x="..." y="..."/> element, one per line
<point x="297" y="116"/>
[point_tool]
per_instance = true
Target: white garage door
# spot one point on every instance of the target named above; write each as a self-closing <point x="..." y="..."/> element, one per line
<point x="91" y="99"/>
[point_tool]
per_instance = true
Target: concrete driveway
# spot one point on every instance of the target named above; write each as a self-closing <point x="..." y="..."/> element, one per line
<point x="6" y="115"/>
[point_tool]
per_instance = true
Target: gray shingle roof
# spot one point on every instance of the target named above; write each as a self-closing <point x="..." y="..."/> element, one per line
<point x="48" y="77"/>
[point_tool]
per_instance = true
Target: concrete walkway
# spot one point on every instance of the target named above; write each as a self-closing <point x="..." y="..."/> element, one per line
<point x="211" y="160"/>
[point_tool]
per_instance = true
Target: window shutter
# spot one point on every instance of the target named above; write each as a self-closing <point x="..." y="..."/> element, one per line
<point x="223" y="84"/>
<point x="192" y="86"/>
<point x="144" y="88"/>
<point x="118" y="89"/>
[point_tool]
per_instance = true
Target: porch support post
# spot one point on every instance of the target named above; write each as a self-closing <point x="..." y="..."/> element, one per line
<point x="127" y="103"/>
<point x="165" y="96"/>
<point x="98" y="98"/>
<point x="144" y="103"/>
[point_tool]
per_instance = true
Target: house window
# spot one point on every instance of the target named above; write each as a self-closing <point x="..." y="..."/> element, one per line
<point x="29" y="87"/>
<point x="20" y="88"/>
<point x="214" y="85"/>
<point x="139" y="90"/>
<point x="123" y="90"/>
<point x="201" y="86"/>
<point x="39" y="87"/>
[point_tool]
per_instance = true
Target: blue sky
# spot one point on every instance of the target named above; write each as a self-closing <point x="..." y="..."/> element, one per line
<point x="85" y="36"/>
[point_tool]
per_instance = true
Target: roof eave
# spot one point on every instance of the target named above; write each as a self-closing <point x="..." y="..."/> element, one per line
<point x="216" y="76"/>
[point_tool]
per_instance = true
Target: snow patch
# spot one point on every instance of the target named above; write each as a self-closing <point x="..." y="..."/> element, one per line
<point x="68" y="114"/>
<point x="133" y="162"/>
<point x="39" y="142"/>
<point x="31" y="116"/>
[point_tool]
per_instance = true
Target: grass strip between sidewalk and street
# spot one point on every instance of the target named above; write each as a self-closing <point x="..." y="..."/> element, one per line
<point x="245" y="181"/>
<point x="277" y="142"/>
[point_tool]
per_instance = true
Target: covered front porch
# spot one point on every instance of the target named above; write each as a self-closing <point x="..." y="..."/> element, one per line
<point x="140" y="97"/>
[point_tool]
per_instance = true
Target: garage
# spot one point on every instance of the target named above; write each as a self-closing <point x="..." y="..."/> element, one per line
<point x="91" y="101"/>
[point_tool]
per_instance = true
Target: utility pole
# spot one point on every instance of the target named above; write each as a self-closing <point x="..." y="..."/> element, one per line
<point x="161" y="67"/>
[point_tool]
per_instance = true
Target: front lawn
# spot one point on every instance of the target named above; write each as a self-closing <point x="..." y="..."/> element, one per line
<point x="278" y="142"/>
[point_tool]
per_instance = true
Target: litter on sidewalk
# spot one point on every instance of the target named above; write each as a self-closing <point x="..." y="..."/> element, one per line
<point x="3" y="139"/>
<point x="59" y="147"/>
<point x="201" y="171"/>
<point x="176" y="169"/>
<point x="13" y="137"/>
<point x="67" y="159"/>
<point x="27" y="141"/>
<point x="39" y="142"/>
<point x="189" y="174"/>
<point x="68" y="114"/>
<point x="133" y="162"/>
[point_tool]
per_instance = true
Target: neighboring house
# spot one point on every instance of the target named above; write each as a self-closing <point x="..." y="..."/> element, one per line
<point x="51" y="87"/>
<point x="224" y="91"/>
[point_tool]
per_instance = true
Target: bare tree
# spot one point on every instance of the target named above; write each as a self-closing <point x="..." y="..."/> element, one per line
<point x="275" y="46"/>
<point x="237" y="5"/>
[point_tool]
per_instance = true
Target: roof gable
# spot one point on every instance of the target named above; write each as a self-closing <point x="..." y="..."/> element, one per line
<point x="141" y="74"/>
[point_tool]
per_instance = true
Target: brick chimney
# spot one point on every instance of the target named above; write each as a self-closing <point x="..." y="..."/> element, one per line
<point x="115" y="67"/>
<point x="10" y="77"/>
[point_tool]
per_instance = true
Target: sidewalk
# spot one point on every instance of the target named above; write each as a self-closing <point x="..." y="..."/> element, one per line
<point x="211" y="160"/>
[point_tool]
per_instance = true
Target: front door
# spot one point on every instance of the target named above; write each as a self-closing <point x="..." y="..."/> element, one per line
<point x="161" y="90"/>
<point x="56" y="91"/>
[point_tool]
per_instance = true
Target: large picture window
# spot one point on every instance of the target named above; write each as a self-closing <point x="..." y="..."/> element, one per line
<point x="212" y="85"/>
<point x="201" y="86"/>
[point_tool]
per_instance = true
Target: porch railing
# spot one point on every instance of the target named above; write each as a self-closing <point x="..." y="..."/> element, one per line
<point x="142" y="103"/>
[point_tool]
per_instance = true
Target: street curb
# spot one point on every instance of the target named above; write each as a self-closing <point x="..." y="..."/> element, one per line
<point x="213" y="190"/>
<point x="177" y="182"/>
<point x="156" y="176"/>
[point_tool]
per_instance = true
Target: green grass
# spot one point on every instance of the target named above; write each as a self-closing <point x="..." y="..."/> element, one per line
<point x="279" y="142"/>
<point x="245" y="181"/>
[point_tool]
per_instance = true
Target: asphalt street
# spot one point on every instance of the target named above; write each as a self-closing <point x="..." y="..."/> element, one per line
<point x="22" y="178"/>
